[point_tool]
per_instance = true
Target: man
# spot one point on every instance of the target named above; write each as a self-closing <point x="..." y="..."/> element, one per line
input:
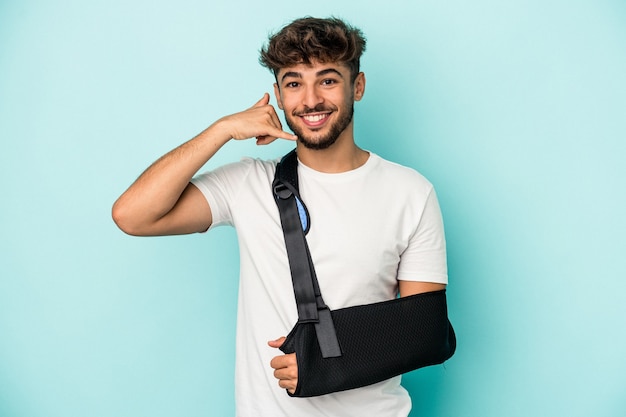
<point x="376" y="227"/>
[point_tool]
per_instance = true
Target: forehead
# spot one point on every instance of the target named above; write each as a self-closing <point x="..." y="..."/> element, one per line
<point x="313" y="69"/>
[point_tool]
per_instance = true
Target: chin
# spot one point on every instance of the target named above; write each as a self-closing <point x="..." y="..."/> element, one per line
<point x="317" y="145"/>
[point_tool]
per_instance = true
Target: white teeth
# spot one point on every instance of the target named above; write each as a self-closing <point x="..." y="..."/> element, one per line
<point x="315" y="118"/>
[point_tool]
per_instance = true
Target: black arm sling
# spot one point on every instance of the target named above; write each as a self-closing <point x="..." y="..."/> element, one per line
<point x="354" y="346"/>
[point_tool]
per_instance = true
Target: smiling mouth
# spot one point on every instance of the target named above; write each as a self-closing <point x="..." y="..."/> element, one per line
<point x="315" y="119"/>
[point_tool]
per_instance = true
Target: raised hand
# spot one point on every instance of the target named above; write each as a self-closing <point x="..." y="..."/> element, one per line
<point x="259" y="121"/>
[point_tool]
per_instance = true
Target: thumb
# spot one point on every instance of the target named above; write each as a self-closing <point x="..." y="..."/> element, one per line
<point x="264" y="101"/>
<point x="277" y="343"/>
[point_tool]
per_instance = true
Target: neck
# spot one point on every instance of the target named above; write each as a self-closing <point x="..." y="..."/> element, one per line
<point x="341" y="156"/>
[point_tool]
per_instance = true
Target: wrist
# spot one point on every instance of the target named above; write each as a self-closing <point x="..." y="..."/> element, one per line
<point x="218" y="133"/>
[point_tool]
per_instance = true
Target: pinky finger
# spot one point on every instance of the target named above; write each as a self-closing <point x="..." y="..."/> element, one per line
<point x="264" y="140"/>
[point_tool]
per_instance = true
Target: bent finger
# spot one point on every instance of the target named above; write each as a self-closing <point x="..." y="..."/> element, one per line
<point x="288" y="385"/>
<point x="286" y="373"/>
<point x="265" y="140"/>
<point x="274" y="117"/>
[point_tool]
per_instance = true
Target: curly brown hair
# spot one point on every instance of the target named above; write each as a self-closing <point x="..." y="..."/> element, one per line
<point x="311" y="39"/>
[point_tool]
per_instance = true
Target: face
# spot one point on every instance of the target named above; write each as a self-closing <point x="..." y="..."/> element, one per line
<point x="318" y="101"/>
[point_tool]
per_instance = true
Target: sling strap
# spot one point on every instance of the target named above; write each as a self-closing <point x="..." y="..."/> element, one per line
<point x="295" y="221"/>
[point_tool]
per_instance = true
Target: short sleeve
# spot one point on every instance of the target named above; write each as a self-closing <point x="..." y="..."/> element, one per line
<point x="424" y="259"/>
<point x="220" y="188"/>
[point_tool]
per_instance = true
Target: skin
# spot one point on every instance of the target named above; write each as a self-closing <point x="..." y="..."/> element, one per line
<point x="317" y="101"/>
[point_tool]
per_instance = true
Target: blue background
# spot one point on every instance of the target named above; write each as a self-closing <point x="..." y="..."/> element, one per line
<point x="515" y="110"/>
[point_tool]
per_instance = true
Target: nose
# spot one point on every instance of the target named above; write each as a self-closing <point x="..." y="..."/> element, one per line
<point x="312" y="97"/>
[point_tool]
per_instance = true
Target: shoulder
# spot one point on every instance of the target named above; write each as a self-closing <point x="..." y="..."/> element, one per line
<point x="397" y="175"/>
<point x="247" y="163"/>
<point x="245" y="168"/>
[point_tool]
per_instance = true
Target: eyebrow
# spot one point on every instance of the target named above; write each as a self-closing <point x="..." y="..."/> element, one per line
<point x="318" y="74"/>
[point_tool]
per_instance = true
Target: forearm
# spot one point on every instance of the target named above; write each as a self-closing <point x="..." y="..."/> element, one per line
<point x="155" y="193"/>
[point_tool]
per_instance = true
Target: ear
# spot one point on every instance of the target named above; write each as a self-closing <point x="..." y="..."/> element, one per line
<point x="279" y="101"/>
<point x="359" y="86"/>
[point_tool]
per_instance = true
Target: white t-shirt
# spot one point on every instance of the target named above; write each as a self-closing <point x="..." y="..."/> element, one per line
<point x="369" y="228"/>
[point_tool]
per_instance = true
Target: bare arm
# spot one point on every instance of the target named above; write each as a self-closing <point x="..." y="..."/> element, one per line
<point x="163" y="202"/>
<point x="414" y="287"/>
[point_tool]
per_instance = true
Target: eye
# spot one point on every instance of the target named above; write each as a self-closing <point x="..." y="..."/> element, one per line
<point x="292" y="84"/>
<point x="329" y="81"/>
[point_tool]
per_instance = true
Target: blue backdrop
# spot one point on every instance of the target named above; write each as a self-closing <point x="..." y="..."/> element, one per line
<point x="515" y="110"/>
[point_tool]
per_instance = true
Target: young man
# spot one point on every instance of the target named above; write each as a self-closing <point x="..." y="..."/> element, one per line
<point x="376" y="227"/>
